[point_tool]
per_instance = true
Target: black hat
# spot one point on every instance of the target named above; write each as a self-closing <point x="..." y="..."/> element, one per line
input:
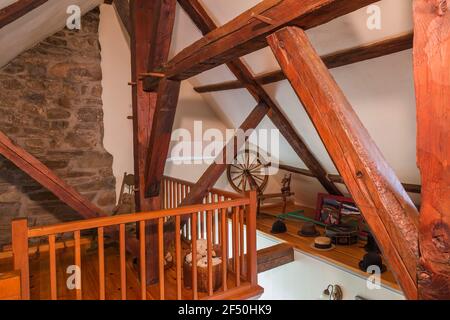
<point x="309" y="230"/>
<point x="279" y="227"/>
<point x="372" y="259"/>
<point x="371" y="245"/>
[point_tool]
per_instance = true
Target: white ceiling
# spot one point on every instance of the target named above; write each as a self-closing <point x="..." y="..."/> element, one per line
<point x="381" y="90"/>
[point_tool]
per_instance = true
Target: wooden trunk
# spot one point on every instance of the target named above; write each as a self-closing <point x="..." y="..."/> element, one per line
<point x="202" y="277"/>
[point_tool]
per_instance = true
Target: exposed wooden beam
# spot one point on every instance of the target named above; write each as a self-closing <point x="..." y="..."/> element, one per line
<point x="246" y="34"/>
<point x="274" y="257"/>
<point x="122" y="8"/>
<point x="377" y="191"/>
<point x="197" y="13"/>
<point x="150" y="43"/>
<point x="333" y="60"/>
<point x="160" y="137"/>
<point x="409" y="187"/>
<point x="215" y="170"/>
<point x="48" y="179"/>
<point x="432" y="83"/>
<point x="17" y="10"/>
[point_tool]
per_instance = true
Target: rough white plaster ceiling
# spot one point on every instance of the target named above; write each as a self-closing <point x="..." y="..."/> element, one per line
<point x="35" y="26"/>
<point x="380" y="90"/>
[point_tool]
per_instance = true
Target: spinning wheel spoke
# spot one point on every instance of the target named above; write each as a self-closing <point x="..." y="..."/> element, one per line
<point x="247" y="172"/>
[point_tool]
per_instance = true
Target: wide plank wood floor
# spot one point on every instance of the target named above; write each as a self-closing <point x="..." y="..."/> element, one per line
<point x="347" y="257"/>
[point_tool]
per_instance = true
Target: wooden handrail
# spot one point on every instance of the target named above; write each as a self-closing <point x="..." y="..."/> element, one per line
<point x="129" y="218"/>
<point x="212" y="226"/>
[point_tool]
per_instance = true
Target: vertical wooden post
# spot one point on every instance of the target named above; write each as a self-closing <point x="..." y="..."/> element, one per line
<point x="252" y="264"/>
<point x="432" y="84"/>
<point x="20" y="254"/>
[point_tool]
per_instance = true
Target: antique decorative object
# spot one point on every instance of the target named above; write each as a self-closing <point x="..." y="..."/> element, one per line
<point x="332" y="292"/>
<point x="371" y="245"/>
<point x="344" y="235"/>
<point x="334" y="210"/>
<point x="322" y="244"/>
<point x="248" y="172"/>
<point x="371" y="261"/>
<point x="309" y="230"/>
<point x="278" y="227"/>
<point x="202" y="267"/>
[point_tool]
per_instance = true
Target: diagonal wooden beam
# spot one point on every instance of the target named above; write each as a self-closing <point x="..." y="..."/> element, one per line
<point x="160" y="137"/>
<point x="432" y="83"/>
<point x="17" y="10"/>
<point x="215" y="170"/>
<point x="200" y="17"/>
<point x="247" y="33"/>
<point x="379" y="194"/>
<point x="333" y="60"/>
<point x="48" y="179"/>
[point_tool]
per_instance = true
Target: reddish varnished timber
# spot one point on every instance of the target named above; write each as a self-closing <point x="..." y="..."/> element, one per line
<point x="432" y="83"/>
<point x="379" y="194"/>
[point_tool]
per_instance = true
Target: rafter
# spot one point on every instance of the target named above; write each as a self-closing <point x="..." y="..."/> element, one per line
<point x="246" y="34"/>
<point x="333" y="60"/>
<point x="122" y="9"/>
<point x="200" y="17"/>
<point x="17" y="10"/>
<point x="215" y="170"/>
<point x="377" y="191"/>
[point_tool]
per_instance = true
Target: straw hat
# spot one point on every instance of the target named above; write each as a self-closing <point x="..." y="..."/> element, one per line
<point x="322" y="244"/>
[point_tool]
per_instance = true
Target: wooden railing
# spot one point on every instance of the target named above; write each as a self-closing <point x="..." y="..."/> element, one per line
<point x="174" y="191"/>
<point x="238" y="247"/>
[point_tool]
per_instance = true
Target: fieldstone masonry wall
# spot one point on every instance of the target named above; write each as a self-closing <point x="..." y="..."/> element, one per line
<point x="50" y="104"/>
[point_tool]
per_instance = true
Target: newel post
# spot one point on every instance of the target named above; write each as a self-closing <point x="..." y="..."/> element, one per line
<point x="20" y="254"/>
<point x="252" y="267"/>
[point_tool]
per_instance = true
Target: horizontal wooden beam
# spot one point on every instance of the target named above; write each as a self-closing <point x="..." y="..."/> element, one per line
<point x="384" y="203"/>
<point x="246" y="34"/>
<point x="204" y="22"/>
<point x="274" y="257"/>
<point x="333" y="60"/>
<point x="17" y="10"/>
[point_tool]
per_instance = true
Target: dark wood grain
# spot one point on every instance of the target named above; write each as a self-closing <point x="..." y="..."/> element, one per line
<point x="150" y="43"/>
<point x="333" y="60"/>
<point x="17" y="10"/>
<point x="432" y="82"/>
<point x="245" y="34"/>
<point x="204" y="22"/>
<point x="374" y="186"/>
<point x="274" y="257"/>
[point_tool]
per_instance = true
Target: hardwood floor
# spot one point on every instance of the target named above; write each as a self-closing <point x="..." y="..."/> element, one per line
<point x="40" y="278"/>
<point x="347" y="257"/>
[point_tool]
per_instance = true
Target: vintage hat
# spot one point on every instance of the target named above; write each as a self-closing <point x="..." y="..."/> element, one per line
<point x="278" y="227"/>
<point x="322" y="244"/>
<point x="371" y="245"/>
<point x="309" y="230"/>
<point x="372" y="259"/>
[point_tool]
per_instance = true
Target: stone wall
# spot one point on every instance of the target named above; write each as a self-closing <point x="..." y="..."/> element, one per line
<point x="50" y="104"/>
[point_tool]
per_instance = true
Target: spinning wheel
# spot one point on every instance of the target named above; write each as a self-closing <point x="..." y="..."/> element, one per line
<point x="248" y="172"/>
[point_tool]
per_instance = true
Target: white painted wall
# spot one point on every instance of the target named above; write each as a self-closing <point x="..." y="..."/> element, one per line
<point x="308" y="276"/>
<point x="118" y="139"/>
<point x="380" y="90"/>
